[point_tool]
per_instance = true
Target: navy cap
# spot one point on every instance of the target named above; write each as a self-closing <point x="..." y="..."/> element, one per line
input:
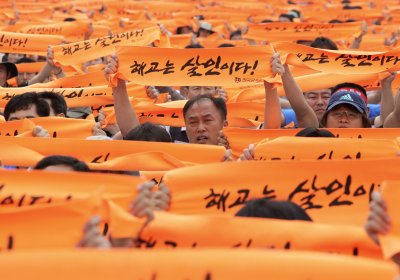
<point x="347" y="97"/>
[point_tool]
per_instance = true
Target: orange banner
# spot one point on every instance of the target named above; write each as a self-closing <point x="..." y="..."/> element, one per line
<point x="85" y="80"/>
<point x="240" y="138"/>
<point x="27" y="43"/>
<point x="79" y="97"/>
<point x="63" y="28"/>
<point x="339" y="62"/>
<point x="211" y="231"/>
<point x="30" y="188"/>
<point x="314" y="148"/>
<point x="56" y="126"/>
<point x="202" y="264"/>
<point x="32" y="67"/>
<point x="335" y="191"/>
<point x="109" y="154"/>
<point x="293" y="31"/>
<point x="200" y="67"/>
<point x="20" y="188"/>
<point x="391" y="242"/>
<point x="76" y="53"/>
<point x="46" y="226"/>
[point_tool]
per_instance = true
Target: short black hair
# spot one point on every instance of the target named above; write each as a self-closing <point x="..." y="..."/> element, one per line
<point x="194" y="46"/>
<point x="288" y="16"/>
<point x="58" y="103"/>
<point x="350" y="85"/>
<point x="273" y="209"/>
<point x="148" y="132"/>
<point x="226" y="45"/>
<point x="324" y="43"/>
<point x="70" y="19"/>
<point x="25" y="101"/>
<point x="314" y="132"/>
<point x="219" y="103"/>
<point x="266" y="21"/>
<point x="235" y="33"/>
<point x="335" y="21"/>
<point x="74" y="163"/>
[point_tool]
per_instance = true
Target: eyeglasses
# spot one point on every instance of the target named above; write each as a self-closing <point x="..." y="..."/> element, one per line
<point x="349" y="114"/>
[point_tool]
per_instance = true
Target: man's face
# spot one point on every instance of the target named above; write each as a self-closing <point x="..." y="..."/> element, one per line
<point x="318" y="101"/>
<point x="24" y="114"/>
<point x="198" y="90"/>
<point x="344" y="116"/>
<point x="23" y="78"/>
<point x="3" y="75"/>
<point x="203" y="122"/>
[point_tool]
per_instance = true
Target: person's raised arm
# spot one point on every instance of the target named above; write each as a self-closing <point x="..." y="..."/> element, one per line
<point x="47" y="69"/>
<point x="393" y="119"/>
<point x="272" y="108"/>
<point x="125" y="113"/>
<point x="387" y="100"/>
<point x="305" y="115"/>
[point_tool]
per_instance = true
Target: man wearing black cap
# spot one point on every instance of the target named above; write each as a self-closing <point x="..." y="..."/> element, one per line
<point x="346" y="109"/>
<point x="8" y="70"/>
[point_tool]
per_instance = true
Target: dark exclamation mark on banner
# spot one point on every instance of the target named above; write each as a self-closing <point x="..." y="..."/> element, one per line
<point x="254" y="67"/>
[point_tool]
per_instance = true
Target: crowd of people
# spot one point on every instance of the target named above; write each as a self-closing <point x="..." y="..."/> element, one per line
<point x="347" y="105"/>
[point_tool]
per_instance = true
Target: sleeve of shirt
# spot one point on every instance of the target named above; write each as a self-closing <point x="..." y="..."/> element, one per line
<point x="374" y="110"/>
<point x="290" y="116"/>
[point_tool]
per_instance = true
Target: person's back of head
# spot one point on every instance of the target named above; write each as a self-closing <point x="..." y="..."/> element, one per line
<point x="194" y="46"/>
<point x="24" y="102"/>
<point x="61" y="163"/>
<point x="324" y="43"/>
<point x="57" y="103"/>
<point x="314" y="132"/>
<point x="273" y="209"/>
<point x="226" y="45"/>
<point x="148" y="132"/>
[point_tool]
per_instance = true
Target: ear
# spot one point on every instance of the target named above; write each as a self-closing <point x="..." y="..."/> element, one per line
<point x="225" y="123"/>
<point x="61" y="115"/>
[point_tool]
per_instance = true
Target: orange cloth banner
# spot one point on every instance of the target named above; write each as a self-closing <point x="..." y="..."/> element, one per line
<point x="63" y="28"/>
<point x="200" y="67"/>
<point x="334" y="191"/>
<point x="28" y="189"/>
<point x="339" y="62"/>
<point x="192" y="264"/>
<point x="20" y="188"/>
<point x="32" y="67"/>
<point x="391" y="242"/>
<point x="85" y="80"/>
<point x="46" y="226"/>
<point x="314" y="148"/>
<point x="107" y="152"/>
<point x="205" y="231"/>
<point x="293" y="31"/>
<point x="27" y="43"/>
<point x="240" y="138"/>
<point x="56" y="126"/>
<point x="76" y="53"/>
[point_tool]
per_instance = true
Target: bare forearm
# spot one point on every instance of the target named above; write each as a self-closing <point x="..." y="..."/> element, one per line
<point x="42" y="75"/>
<point x="125" y="113"/>
<point x="387" y="102"/>
<point x="272" y="109"/>
<point x="306" y="117"/>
